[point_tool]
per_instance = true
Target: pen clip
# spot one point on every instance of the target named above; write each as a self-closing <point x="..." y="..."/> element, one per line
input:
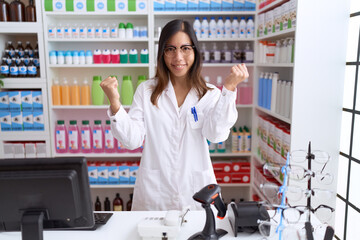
<point x="193" y="111"/>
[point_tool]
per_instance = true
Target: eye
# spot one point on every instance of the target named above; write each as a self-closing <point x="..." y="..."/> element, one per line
<point x="170" y="49"/>
<point x="186" y="48"/>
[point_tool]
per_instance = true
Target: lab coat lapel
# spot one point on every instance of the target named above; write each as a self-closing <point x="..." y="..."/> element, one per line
<point x="190" y="101"/>
<point x="170" y="92"/>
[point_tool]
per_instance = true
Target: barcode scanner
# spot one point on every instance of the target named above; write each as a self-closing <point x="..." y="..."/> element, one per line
<point x="210" y="194"/>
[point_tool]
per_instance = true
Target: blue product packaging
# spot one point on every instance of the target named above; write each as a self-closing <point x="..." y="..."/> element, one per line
<point x="227" y="5"/>
<point x="103" y="174"/>
<point x="133" y="172"/>
<point x="215" y="5"/>
<point x="239" y="5"/>
<point x="16" y="121"/>
<point x="159" y="5"/>
<point x="250" y="5"/>
<point x="28" y="121"/>
<point x="37" y="101"/>
<point x="124" y="174"/>
<point x="113" y="174"/>
<point x="93" y="174"/>
<point x="26" y="101"/>
<point x="170" y="5"/>
<point x="181" y="5"/>
<point x="14" y="101"/>
<point x="5" y="121"/>
<point x="193" y="5"/>
<point x="204" y="5"/>
<point x="4" y="102"/>
<point x="38" y="118"/>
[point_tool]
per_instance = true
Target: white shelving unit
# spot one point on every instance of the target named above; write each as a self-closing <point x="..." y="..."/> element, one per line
<point x="33" y="32"/>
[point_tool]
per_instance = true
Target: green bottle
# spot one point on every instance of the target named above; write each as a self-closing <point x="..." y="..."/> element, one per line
<point x="127" y="91"/>
<point x="141" y="78"/>
<point x="97" y="94"/>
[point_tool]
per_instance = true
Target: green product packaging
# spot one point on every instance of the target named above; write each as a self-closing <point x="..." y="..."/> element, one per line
<point x="124" y="56"/>
<point x="141" y="78"/>
<point x="127" y="91"/>
<point x="97" y="94"/>
<point x="48" y="5"/>
<point x="133" y="56"/>
<point x="69" y="5"/>
<point x="111" y="5"/>
<point x="131" y="5"/>
<point x="90" y="5"/>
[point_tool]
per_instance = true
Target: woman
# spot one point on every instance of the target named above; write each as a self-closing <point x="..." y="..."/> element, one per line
<point x="174" y="113"/>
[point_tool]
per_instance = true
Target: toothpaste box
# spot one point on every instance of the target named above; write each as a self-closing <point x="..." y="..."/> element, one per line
<point x="142" y="6"/>
<point x="170" y="5"/>
<point x="103" y="173"/>
<point x="159" y="5"/>
<point x="14" y="101"/>
<point x="26" y="101"/>
<point x="38" y="118"/>
<point x="204" y="5"/>
<point x="16" y="121"/>
<point x="121" y="6"/>
<point x="5" y="121"/>
<point x="58" y="5"/>
<point x="113" y="169"/>
<point x="93" y="172"/>
<point x="192" y="5"/>
<point x="37" y="101"/>
<point x="227" y="5"/>
<point x="181" y="5"/>
<point x="4" y="101"/>
<point x="215" y="5"/>
<point x="124" y="174"/>
<point x="28" y="121"/>
<point x="239" y="5"/>
<point x="100" y="5"/>
<point x="79" y="5"/>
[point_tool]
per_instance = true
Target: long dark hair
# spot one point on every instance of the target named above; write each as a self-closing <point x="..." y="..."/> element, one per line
<point x="194" y="77"/>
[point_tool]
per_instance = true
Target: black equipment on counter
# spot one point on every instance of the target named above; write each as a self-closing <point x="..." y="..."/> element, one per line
<point x="210" y="194"/>
<point x="244" y="216"/>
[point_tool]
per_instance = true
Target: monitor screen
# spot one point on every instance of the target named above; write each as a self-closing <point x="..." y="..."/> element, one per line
<point x="52" y="191"/>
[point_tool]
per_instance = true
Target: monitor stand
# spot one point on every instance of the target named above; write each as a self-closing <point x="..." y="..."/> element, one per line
<point x="32" y="225"/>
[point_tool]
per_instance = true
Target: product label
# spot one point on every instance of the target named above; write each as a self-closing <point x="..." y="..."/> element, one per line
<point x="60" y="139"/>
<point x="109" y="139"/>
<point x="97" y="139"/>
<point x="85" y="139"/>
<point x="5" y="69"/>
<point x="32" y="70"/>
<point x="22" y="70"/>
<point x="73" y="140"/>
<point x="249" y="56"/>
<point x="14" y="70"/>
<point x="117" y="208"/>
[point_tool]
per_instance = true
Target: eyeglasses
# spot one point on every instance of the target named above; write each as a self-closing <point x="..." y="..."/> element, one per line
<point x="186" y="50"/>
<point x="269" y="229"/>
<point x="302" y="155"/>
<point x="294" y="193"/>
<point x="298" y="173"/>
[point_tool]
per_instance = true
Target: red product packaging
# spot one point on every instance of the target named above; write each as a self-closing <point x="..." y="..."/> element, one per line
<point x="240" y="177"/>
<point x="223" y="177"/>
<point x="220" y="167"/>
<point x="240" y="166"/>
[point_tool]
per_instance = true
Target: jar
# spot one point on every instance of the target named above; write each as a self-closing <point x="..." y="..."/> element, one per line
<point x="270" y="57"/>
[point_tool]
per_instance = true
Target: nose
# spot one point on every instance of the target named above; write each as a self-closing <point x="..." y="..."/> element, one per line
<point x="178" y="54"/>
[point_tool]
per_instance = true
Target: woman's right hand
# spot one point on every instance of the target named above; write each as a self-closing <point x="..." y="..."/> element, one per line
<point x="110" y="88"/>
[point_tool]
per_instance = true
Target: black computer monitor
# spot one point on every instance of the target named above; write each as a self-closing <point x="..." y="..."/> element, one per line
<point x="44" y="193"/>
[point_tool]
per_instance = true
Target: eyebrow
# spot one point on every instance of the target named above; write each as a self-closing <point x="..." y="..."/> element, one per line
<point x="184" y="45"/>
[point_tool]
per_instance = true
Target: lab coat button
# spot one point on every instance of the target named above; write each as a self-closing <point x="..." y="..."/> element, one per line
<point x="114" y="120"/>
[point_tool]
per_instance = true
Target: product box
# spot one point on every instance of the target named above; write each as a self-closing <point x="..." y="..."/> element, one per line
<point x="93" y="172"/>
<point x="222" y="166"/>
<point x="8" y="150"/>
<point x="14" y="101"/>
<point x="41" y="150"/>
<point x="124" y="174"/>
<point x="58" y="5"/>
<point x="19" y="150"/>
<point x="79" y="5"/>
<point x="250" y="5"/>
<point x="261" y="24"/>
<point x="159" y="5"/>
<point x="100" y="6"/>
<point x="4" y="102"/>
<point x="227" y="5"/>
<point x="142" y="6"/>
<point x="38" y="118"/>
<point x="181" y="5"/>
<point x="28" y="121"/>
<point x="277" y="18"/>
<point x="30" y="150"/>
<point x="240" y="177"/>
<point x="170" y="5"/>
<point x="223" y="177"/>
<point x="215" y="5"/>
<point x="204" y="5"/>
<point x="192" y="5"/>
<point x="269" y="20"/>
<point x="240" y="166"/>
<point x="239" y="5"/>
<point x="285" y="13"/>
<point x="121" y="6"/>
<point x="113" y="169"/>
<point x="5" y="121"/>
<point x="292" y="14"/>
<point x="133" y="169"/>
<point x="103" y="173"/>
<point x="26" y="101"/>
<point x="16" y="121"/>
<point x="37" y="101"/>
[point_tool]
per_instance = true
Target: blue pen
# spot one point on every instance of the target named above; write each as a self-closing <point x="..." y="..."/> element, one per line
<point x="193" y="111"/>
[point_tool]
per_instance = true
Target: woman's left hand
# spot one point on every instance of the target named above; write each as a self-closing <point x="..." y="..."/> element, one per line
<point x="238" y="74"/>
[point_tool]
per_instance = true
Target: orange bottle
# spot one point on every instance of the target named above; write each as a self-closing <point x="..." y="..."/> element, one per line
<point x="85" y="93"/>
<point x="56" y="92"/>
<point x="75" y="93"/>
<point x="65" y="93"/>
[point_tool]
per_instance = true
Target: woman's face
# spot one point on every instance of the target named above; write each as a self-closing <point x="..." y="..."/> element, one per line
<point x="179" y="55"/>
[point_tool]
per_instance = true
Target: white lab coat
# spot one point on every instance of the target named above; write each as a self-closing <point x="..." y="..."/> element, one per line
<point x="175" y="162"/>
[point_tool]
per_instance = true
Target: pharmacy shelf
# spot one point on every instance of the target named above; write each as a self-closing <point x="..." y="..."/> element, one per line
<point x="226" y="64"/>
<point x="24" y="136"/>
<point x="272" y="5"/>
<point x="278" y="65"/>
<point x="207" y="13"/>
<point x="277" y="35"/>
<point x="102" y="65"/>
<point x="230" y="154"/>
<point x="98" y="40"/>
<point x="132" y="185"/>
<point x="257" y="159"/>
<point x="95" y="14"/>
<point x="20" y="28"/>
<point x="137" y="155"/>
<point x="259" y="193"/>
<point x="222" y="39"/>
<point x="276" y="115"/>
<point x="23" y="82"/>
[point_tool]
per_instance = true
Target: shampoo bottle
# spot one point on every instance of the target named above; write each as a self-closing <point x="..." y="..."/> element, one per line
<point x="127" y="91"/>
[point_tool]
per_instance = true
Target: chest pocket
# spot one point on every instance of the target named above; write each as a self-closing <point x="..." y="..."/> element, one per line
<point x="191" y="120"/>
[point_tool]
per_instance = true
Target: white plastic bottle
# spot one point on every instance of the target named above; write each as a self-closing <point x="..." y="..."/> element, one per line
<point x="227" y="26"/>
<point x="287" y="99"/>
<point x="226" y="54"/>
<point x="60" y="31"/>
<point x="289" y="51"/>
<point x="242" y="28"/>
<point x="205" y="53"/>
<point x="91" y="31"/>
<point x="83" y="31"/>
<point x="67" y="31"/>
<point x="250" y="28"/>
<point x="196" y="26"/>
<point x="51" y="31"/>
<point x="204" y="28"/>
<point x="277" y="52"/>
<point x="215" y="55"/>
<point x="98" y="31"/>
<point x="283" y="51"/>
<point x="114" y="30"/>
<point x="212" y="28"/>
<point x="235" y="28"/>
<point x="75" y="31"/>
<point x="220" y="28"/>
